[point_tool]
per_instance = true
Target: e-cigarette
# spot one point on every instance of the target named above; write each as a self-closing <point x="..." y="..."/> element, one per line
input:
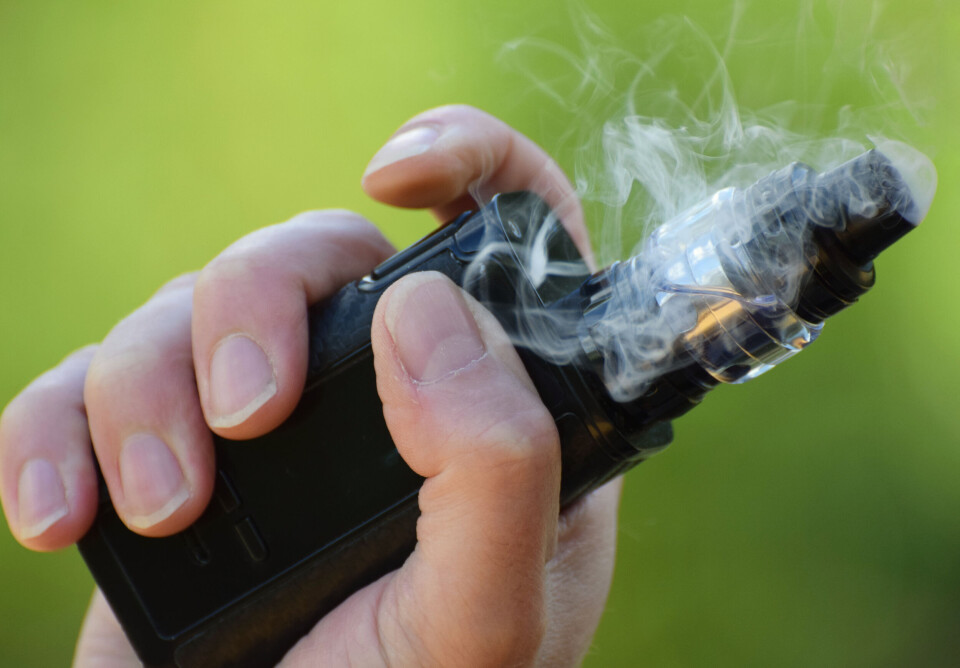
<point x="306" y="515"/>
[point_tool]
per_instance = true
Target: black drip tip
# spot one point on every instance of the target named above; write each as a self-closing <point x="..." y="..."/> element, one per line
<point x="873" y="200"/>
<point x="859" y="209"/>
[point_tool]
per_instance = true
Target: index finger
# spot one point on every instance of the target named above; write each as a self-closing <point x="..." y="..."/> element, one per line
<point x="451" y="158"/>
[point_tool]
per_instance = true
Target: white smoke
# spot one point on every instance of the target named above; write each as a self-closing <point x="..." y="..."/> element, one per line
<point x="656" y="131"/>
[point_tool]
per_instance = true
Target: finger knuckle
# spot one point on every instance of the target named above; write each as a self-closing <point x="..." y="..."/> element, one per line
<point x="523" y="437"/>
<point x="51" y="387"/>
<point x="50" y="393"/>
<point x="12" y="420"/>
<point x="229" y="282"/>
<point x="118" y="375"/>
<point x="143" y="344"/>
<point x="244" y="259"/>
<point x="98" y="384"/>
<point x="237" y="263"/>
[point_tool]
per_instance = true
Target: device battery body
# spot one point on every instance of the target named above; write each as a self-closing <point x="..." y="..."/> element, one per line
<point x="309" y="513"/>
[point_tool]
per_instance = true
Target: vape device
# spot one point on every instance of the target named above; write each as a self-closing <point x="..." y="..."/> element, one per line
<point x="306" y="515"/>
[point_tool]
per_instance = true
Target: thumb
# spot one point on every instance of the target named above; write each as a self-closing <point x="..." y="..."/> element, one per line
<point x="465" y="415"/>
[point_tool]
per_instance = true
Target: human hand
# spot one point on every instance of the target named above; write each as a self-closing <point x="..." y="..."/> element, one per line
<point x="498" y="577"/>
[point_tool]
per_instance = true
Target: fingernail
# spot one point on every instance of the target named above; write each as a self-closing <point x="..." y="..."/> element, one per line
<point x="41" y="497"/>
<point x="241" y="381"/>
<point x="405" y="145"/>
<point x="153" y="483"/>
<point x="433" y="329"/>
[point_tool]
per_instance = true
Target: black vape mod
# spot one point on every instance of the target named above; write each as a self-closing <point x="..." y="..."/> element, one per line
<point x="717" y="295"/>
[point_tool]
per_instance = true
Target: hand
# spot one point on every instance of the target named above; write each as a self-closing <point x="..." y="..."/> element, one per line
<point x="499" y="576"/>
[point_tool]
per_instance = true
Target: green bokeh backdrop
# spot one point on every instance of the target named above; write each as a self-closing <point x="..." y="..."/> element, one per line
<point x="808" y="518"/>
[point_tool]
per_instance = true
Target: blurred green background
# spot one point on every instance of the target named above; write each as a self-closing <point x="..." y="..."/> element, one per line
<point x="807" y="518"/>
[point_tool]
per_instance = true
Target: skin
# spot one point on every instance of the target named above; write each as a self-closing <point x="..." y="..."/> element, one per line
<point x="499" y="576"/>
